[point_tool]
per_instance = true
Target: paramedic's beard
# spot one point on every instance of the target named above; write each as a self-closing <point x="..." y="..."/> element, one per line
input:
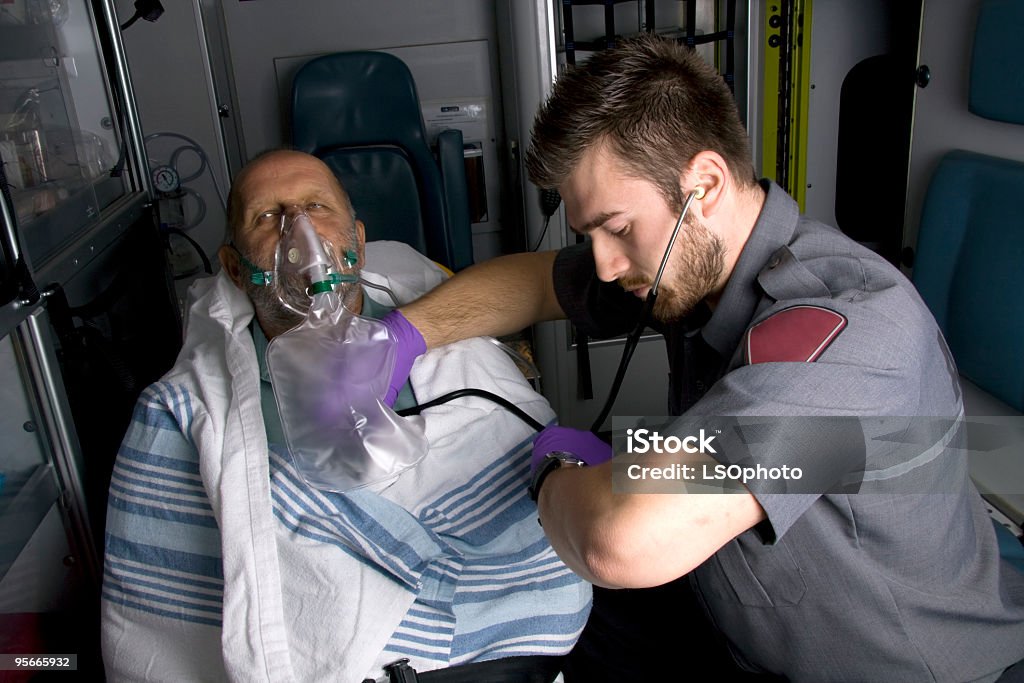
<point x="697" y="261"/>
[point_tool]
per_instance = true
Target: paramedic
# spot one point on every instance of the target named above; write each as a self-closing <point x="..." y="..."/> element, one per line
<point x="765" y="313"/>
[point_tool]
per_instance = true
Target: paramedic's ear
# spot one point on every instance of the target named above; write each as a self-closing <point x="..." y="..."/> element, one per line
<point x="708" y="175"/>
<point x="232" y="264"/>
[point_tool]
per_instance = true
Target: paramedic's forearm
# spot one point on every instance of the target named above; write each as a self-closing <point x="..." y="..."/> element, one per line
<point x="497" y="297"/>
<point x="621" y="540"/>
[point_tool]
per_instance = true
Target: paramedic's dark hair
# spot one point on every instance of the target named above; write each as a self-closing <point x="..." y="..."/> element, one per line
<point x="655" y="102"/>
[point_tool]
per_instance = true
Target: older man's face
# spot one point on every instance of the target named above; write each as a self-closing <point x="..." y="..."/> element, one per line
<point x="285" y="183"/>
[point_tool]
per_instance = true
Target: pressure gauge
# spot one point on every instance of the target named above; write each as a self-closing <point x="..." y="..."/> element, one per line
<point x="165" y="179"/>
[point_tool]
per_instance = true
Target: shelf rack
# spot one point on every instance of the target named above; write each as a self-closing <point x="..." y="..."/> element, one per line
<point x="688" y="35"/>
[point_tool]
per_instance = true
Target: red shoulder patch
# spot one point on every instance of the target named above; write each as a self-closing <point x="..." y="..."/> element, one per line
<point x="798" y="335"/>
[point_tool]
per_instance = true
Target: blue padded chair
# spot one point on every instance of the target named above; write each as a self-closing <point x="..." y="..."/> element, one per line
<point x="969" y="267"/>
<point x="997" y="63"/>
<point x="359" y="112"/>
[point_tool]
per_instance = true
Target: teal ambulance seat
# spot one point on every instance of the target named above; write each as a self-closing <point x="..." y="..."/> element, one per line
<point x="969" y="269"/>
<point x="360" y="113"/>
<point x="997" y="62"/>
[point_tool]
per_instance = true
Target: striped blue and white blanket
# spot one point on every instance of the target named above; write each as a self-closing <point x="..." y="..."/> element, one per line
<point x="223" y="564"/>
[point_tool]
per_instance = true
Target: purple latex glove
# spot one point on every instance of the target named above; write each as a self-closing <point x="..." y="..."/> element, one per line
<point x="584" y="445"/>
<point x="410" y="346"/>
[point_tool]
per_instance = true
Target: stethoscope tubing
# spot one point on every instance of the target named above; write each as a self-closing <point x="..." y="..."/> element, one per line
<point x="645" y="315"/>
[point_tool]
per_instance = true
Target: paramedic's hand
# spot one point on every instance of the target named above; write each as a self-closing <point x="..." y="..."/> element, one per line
<point x="410" y="347"/>
<point x="583" y="445"/>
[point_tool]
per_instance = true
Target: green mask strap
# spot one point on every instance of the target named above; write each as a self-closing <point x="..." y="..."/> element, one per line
<point x="257" y="275"/>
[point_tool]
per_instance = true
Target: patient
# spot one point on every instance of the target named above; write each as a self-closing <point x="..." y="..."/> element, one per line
<point x="222" y="563"/>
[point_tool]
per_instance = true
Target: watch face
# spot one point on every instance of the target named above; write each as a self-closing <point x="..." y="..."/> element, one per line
<point x="165" y="179"/>
<point x="566" y="458"/>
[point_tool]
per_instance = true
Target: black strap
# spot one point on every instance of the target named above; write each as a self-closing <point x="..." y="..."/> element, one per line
<point x="531" y="669"/>
<point x="584" y="380"/>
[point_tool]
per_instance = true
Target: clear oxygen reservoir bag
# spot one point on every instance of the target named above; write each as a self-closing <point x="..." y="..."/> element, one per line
<point x="330" y="374"/>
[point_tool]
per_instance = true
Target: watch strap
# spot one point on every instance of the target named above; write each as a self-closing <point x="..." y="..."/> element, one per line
<point x="552" y="461"/>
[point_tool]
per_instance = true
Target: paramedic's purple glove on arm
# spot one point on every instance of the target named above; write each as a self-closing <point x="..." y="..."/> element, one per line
<point x="410" y="346"/>
<point x="583" y="445"/>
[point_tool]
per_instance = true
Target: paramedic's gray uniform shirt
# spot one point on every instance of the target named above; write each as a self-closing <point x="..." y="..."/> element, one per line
<point x="857" y="587"/>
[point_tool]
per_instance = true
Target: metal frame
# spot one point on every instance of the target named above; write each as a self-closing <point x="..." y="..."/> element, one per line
<point x="220" y="82"/>
<point x="126" y="96"/>
<point x="34" y="345"/>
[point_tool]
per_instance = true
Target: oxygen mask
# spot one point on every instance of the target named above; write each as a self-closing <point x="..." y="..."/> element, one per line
<point x="330" y="373"/>
<point x="306" y="264"/>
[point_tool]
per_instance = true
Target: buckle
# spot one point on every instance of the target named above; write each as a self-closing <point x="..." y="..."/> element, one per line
<point x="399" y="671"/>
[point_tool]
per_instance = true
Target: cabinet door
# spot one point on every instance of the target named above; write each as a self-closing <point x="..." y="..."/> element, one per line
<point x="58" y="140"/>
<point x="48" y="568"/>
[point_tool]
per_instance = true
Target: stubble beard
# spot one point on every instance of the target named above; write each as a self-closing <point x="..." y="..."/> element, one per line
<point x="698" y="260"/>
<point x="275" y="317"/>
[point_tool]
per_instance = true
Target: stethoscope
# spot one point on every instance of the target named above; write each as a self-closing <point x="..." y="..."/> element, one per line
<point x="645" y="315"/>
<point x="627" y="352"/>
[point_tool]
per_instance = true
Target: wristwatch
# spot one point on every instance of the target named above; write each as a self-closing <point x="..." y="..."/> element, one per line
<point x="552" y="461"/>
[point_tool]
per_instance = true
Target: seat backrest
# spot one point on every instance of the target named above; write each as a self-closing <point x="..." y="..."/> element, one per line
<point x="996" y="80"/>
<point x="969" y="267"/>
<point x="360" y="113"/>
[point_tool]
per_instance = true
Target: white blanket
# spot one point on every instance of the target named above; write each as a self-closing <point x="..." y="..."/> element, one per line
<point x="319" y="586"/>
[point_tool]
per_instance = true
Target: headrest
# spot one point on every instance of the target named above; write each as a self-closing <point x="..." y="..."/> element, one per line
<point x="355" y="98"/>
<point x="997" y="62"/>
